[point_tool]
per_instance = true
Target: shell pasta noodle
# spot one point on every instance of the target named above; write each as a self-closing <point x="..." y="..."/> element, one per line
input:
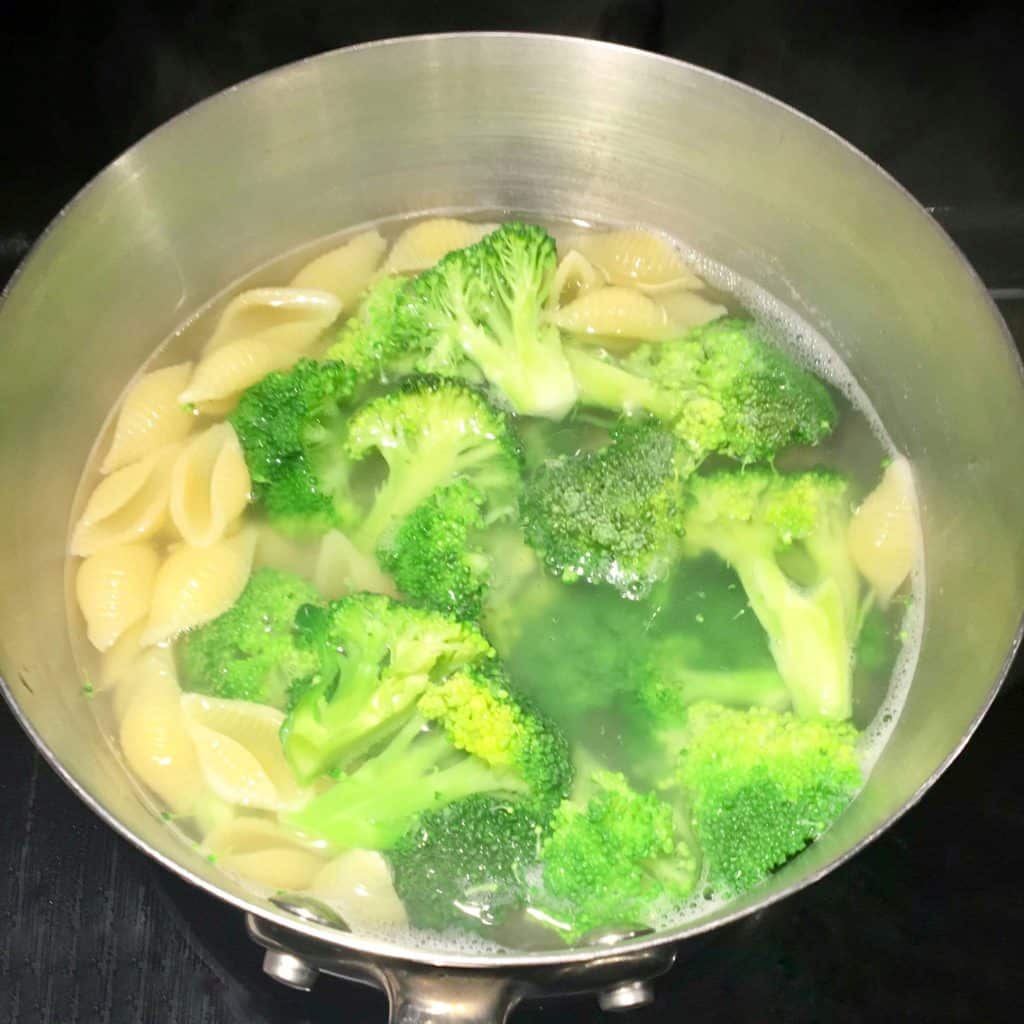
<point x="210" y="486"/>
<point x="114" y="589"/>
<point x="423" y="244"/>
<point x="128" y="505"/>
<point x="151" y="416"/>
<point x="389" y="551"/>
<point x="347" y="271"/>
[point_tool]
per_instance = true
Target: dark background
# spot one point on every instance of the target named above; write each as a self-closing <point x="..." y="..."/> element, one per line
<point x="924" y="925"/>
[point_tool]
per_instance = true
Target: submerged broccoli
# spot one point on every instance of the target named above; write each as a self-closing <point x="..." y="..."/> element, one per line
<point x="468" y="735"/>
<point x="250" y="652"/>
<point x="722" y="387"/>
<point x="368" y="341"/>
<point x="612" y="515"/>
<point x="484" y="304"/>
<point x="290" y="428"/>
<point x="614" y="858"/>
<point x="761" y="785"/>
<point x="375" y="658"/>
<point x="752" y="519"/>
<point x="430" y="433"/>
<point x="433" y="556"/>
<point x="468" y="863"/>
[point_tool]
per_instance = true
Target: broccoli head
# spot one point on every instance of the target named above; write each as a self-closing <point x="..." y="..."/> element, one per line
<point x="434" y="557"/>
<point x="290" y="426"/>
<point x="430" y="433"/>
<point x="722" y="387"/>
<point x="375" y="658"/>
<point x="614" y="859"/>
<point x="761" y="785"/>
<point x="369" y="341"/>
<point x="612" y="515"/>
<point x="785" y="536"/>
<point x="250" y="652"/>
<point x="468" y="863"/>
<point x="469" y="734"/>
<point x="485" y="305"/>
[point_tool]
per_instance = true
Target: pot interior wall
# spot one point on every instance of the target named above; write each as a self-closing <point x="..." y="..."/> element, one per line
<point x="531" y="124"/>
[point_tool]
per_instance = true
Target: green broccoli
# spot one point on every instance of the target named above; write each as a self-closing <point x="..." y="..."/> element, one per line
<point x="434" y="557"/>
<point x="250" y="652"/>
<point x="485" y="305"/>
<point x="375" y="658"/>
<point x="614" y="859"/>
<point x="759" y="522"/>
<point x="368" y="341"/>
<point x="612" y="515"/>
<point x="469" y="734"/>
<point x="468" y="863"/>
<point x="722" y="387"/>
<point x="290" y="426"/>
<point x="761" y="785"/>
<point x="430" y="433"/>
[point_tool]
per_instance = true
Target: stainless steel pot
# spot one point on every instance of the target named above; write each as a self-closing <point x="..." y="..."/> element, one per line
<point x="537" y="124"/>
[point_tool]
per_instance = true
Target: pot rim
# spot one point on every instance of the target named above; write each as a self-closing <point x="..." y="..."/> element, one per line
<point x="388" y="949"/>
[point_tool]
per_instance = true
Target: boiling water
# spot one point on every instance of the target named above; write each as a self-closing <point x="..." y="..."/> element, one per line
<point x="579" y="635"/>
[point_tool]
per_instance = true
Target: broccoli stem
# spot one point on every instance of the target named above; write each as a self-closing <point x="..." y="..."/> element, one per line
<point x="607" y="386"/>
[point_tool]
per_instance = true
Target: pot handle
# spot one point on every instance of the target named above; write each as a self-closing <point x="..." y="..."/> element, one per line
<point x="432" y="996"/>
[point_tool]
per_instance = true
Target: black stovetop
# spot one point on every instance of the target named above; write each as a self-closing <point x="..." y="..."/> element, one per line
<point x="921" y="925"/>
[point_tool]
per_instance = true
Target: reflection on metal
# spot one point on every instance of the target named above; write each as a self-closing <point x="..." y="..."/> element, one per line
<point x="626" y="997"/>
<point x="289" y="970"/>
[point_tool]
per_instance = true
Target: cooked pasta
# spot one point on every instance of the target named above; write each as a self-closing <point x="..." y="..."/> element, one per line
<point x="615" y="312"/>
<point x="687" y="309"/>
<point x="264" y="852"/>
<point x="423" y="244"/>
<point x="240" y="753"/>
<point x="195" y="585"/>
<point x="639" y="258"/>
<point x="119" y="658"/>
<point x="344" y="272"/>
<point x="150" y="674"/>
<point x="151" y="416"/>
<point x="357" y="883"/>
<point x="209" y="486"/>
<point x="224" y="374"/>
<point x="128" y="505"/>
<point x="575" y="276"/>
<point x="114" y="589"/>
<point x="341" y="568"/>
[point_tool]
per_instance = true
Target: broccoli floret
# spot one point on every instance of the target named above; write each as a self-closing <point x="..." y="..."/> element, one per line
<point x="761" y="785"/>
<point x="250" y="652"/>
<point x="785" y="536"/>
<point x="375" y="658"/>
<point x="613" y="859"/>
<point x="485" y="304"/>
<point x="612" y="515"/>
<point x="468" y="863"/>
<point x="368" y="341"/>
<point x="722" y="387"/>
<point x="434" y="557"/>
<point x="290" y="426"/>
<point x="470" y="734"/>
<point x="430" y="433"/>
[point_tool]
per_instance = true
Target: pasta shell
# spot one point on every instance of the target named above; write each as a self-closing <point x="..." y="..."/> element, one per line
<point x="114" y="589"/>
<point x="288" y="318"/>
<point x="224" y="374"/>
<point x="151" y="416"/>
<point x="210" y="813"/>
<point x="264" y="852"/>
<point x="575" y="276"/>
<point x="118" y="659"/>
<point x="615" y="312"/>
<point x="687" y="310"/>
<point x="358" y="883"/>
<point x="129" y="505"/>
<point x="151" y="674"/>
<point x="276" y="551"/>
<point x="639" y="258"/>
<point x="210" y="486"/>
<point x="159" y="749"/>
<point x="422" y="245"/>
<point x="883" y="533"/>
<point x="196" y="585"/>
<point x="240" y="752"/>
<point x="341" y="568"/>
<point x="345" y="272"/>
